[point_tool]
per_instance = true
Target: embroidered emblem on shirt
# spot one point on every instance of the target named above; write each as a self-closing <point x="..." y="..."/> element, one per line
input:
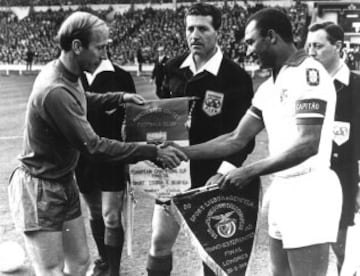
<point x="341" y="132"/>
<point x="283" y="94"/>
<point x="312" y="76"/>
<point x="212" y="103"/>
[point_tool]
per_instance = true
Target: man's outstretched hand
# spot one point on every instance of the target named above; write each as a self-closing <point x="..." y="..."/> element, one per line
<point x="133" y="98"/>
<point x="169" y="157"/>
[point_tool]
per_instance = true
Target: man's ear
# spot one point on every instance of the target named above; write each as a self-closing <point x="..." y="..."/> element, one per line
<point x="338" y="45"/>
<point x="76" y="46"/>
<point x="271" y="36"/>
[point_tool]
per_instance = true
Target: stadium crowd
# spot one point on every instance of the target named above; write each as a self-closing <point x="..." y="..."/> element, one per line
<point x="144" y="29"/>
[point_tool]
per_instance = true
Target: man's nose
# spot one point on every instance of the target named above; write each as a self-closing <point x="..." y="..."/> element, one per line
<point x="195" y="33"/>
<point x="249" y="50"/>
<point x="311" y="50"/>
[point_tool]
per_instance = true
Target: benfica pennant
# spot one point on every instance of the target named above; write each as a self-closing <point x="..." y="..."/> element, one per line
<point x="221" y="225"/>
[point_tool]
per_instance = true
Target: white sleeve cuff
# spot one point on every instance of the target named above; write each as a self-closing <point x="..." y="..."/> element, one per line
<point x="225" y="167"/>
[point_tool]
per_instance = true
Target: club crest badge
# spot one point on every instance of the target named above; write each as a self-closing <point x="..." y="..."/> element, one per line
<point x="224" y="220"/>
<point x="341" y="132"/>
<point x="312" y="76"/>
<point x="213" y="103"/>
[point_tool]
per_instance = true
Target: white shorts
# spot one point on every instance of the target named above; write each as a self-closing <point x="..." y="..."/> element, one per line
<point x="305" y="210"/>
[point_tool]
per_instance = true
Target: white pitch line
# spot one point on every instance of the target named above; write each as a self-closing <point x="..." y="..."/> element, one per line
<point x="10" y="137"/>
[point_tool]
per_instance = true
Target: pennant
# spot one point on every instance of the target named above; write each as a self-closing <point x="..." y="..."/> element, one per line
<point x="221" y="225"/>
<point x="156" y="122"/>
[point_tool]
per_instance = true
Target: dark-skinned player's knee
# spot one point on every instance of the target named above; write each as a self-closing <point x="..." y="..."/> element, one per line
<point x="162" y="243"/>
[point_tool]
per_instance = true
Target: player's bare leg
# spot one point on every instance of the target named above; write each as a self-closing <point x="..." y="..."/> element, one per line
<point x="76" y="252"/>
<point x="339" y="248"/>
<point x="310" y="260"/>
<point x="49" y="250"/>
<point x="114" y="233"/>
<point x="279" y="259"/>
<point x="164" y="232"/>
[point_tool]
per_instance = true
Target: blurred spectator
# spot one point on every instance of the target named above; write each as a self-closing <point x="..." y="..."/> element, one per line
<point x="158" y="72"/>
<point x="146" y="29"/>
<point x="29" y="59"/>
<point x="357" y="57"/>
<point x="350" y="60"/>
<point x="139" y="61"/>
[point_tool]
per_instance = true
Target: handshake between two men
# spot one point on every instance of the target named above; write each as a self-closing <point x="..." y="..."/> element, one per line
<point x="170" y="155"/>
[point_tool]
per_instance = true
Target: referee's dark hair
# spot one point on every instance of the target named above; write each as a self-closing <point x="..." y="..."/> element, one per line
<point x="273" y="19"/>
<point x="334" y="32"/>
<point x="204" y="9"/>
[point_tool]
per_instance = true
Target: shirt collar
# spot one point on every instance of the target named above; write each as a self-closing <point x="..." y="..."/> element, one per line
<point x="212" y="65"/>
<point x="105" y="66"/>
<point x="343" y="74"/>
<point x="66" y="73"/>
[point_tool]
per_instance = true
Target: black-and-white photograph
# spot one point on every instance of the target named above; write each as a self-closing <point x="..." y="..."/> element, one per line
<point x="180" y="138"/>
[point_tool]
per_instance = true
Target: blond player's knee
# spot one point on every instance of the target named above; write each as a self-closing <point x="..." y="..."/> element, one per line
<point x="80" y="267"/>
<point x="84" y="266"/>
<point x="49" y="269"/>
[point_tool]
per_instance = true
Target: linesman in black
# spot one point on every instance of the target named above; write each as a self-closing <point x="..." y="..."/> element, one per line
<point x="102" y="184"/>
<point x="324" y="43"/>
<point x="224" y="92"/>
<point x="158" y="72"/>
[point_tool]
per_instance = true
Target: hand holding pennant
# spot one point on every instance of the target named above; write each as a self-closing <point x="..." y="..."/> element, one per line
<point x="221" y="225"/>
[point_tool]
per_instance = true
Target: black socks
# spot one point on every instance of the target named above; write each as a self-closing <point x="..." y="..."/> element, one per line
<point x="159" y="266"/>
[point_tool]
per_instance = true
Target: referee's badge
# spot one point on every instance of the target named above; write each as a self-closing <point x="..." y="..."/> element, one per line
<point x="312" y="76"/>
<point x="213" y="103"/>
<point x="341" y="132"/>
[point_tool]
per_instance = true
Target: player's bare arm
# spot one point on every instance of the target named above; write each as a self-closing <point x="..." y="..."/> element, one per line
<point x="227" y="144"/>
<point x="305" y="146"/>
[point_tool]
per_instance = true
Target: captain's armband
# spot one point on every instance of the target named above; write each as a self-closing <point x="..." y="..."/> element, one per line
<point x="310" y="111"/>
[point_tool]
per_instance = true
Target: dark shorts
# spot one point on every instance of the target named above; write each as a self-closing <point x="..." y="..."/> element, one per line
<point x="39" y="204"/>
<point x="94" y="176"/>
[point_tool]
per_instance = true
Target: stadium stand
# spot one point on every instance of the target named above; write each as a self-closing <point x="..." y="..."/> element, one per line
<point x="146" y="28"/>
